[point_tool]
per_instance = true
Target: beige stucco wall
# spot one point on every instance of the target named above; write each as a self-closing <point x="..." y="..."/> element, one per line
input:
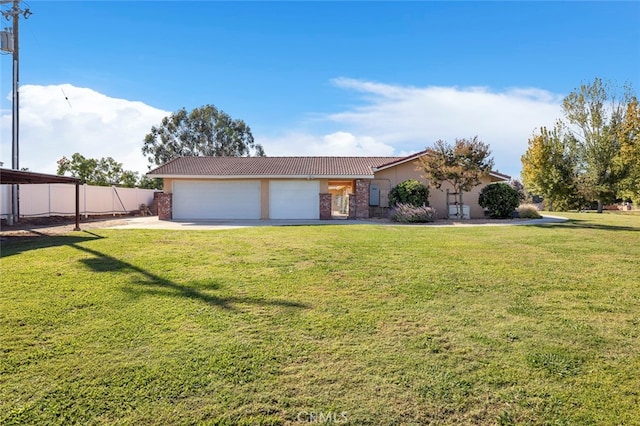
<point x="392" y="176"/>
<point x="167" y="186"/>
<point x="386" y="179"/>
<point x="264" y="198"/>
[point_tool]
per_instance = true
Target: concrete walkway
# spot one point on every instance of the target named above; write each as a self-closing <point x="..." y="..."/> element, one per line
<point x="153" y="222"/>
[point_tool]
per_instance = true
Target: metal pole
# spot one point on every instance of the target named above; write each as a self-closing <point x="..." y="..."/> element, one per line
<point x="16" y="90"/>
<point x="15" y="163"/>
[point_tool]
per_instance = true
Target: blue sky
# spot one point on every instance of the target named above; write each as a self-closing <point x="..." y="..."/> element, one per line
<point x="309" y="78"/>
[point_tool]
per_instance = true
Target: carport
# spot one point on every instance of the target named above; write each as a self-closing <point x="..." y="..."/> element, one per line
<point x="18" y="177"/>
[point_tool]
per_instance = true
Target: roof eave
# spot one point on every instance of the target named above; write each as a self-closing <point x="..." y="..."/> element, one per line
<point x="230" y="177"/>
<point x="411" y="157"/>
<point x="17" y="177"/>
<point x="500" y="176"/>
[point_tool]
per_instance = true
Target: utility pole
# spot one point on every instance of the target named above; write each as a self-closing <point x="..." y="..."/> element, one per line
<point x="10" y="43"/>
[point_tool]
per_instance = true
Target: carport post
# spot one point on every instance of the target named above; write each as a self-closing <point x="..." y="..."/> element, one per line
<point x="77" y="228"/>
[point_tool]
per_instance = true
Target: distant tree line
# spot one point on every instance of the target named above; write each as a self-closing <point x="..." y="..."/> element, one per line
<point x="104" y="172"/>
<point x="590" y="156"/>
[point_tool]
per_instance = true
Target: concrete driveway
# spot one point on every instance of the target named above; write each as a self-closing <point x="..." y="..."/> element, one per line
<point x="152" y="222"/>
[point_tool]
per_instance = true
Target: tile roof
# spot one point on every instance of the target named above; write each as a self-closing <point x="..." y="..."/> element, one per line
<point x="283" y="166"/>
<point x="271" y="166"/>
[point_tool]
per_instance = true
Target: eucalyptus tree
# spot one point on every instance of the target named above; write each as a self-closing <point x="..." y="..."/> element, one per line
<point x="205" y="131"/>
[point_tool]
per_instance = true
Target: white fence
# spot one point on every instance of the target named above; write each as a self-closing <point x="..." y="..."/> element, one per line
<point x="59" y="199"/>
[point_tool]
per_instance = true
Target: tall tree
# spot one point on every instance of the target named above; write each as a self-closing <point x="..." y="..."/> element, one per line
<point x="462" y="164"/>
<point x="629" y="134"/>
<point x="205" y="131"/>
<point x="594" y="112"/>
<point x="549" y="166"/>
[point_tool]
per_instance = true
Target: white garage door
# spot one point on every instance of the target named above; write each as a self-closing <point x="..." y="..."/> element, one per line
<point x="294" y="199"/>
<point x="239" y="199"/>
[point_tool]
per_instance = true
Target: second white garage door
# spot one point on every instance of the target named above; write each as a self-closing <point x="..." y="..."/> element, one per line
<point x="294" y="199"/>
<point x="238" y="199"/>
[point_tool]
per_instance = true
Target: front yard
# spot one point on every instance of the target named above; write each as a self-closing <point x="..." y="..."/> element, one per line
<point x="339" y="324"/>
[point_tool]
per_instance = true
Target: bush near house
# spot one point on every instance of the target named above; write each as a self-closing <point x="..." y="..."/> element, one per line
<point x="410" y="192"/>
<point x="407" y="213"/>
<point x="500" y="199"/>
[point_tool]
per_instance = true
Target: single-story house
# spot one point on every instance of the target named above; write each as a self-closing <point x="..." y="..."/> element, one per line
<point x="295" y="187"/>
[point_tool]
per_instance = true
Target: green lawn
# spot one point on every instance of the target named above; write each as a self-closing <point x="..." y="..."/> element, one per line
<point x="346" y="324"/>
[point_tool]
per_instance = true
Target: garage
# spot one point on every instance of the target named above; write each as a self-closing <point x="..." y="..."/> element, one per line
<point x="294" y="199"/>
<point x="235" y="199"/>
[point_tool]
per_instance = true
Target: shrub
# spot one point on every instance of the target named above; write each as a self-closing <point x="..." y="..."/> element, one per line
<point x="528" y="211"/>
<point x="500" y="199"/>
<point x="410" y="192"/>
<point x="408" y="213"/>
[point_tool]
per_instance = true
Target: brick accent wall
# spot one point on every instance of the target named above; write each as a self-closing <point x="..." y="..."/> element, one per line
<point x="165" y="204"/>
<point x="352" y="206"/>
<point x="325" y="206"/>
<point x="154" y="204"/>
<point x="362" y="199"/>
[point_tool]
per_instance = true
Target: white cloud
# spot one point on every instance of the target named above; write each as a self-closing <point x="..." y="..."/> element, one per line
<point x="334" y="144"/>
<point x="89" y="122"/>
<point x="411" y="118"/>
<point x="400" y="120"/>
<point x="390" y="120"/>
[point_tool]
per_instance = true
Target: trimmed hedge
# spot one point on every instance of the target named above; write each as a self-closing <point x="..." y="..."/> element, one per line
<point x="409" y="192"/>
<point x="500" y="199"/>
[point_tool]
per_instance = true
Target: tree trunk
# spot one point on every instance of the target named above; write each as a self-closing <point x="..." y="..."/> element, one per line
<point x="600" y="204"/>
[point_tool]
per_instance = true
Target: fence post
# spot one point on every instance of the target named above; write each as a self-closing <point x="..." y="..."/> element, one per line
<point x="86" y="215"/>
<point x="77" y="203"/>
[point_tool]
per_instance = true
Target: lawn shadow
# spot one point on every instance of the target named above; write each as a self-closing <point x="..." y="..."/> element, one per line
<point x="586" y="224"/>
<point x="16" y="244"/>
<point x="153" y="284"/>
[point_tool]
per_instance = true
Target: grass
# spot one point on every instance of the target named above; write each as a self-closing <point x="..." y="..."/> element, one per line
<point x="333" y="324"/>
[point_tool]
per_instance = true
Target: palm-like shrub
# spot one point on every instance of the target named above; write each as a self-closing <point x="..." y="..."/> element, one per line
<point x="528" y="211"/>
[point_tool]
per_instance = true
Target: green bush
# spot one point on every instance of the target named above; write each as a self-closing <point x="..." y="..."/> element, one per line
<point x="408" y="213"/>
<point x="409" y="192"/>
<point x="528" y="211"/>
<point x="500" y="199"/>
